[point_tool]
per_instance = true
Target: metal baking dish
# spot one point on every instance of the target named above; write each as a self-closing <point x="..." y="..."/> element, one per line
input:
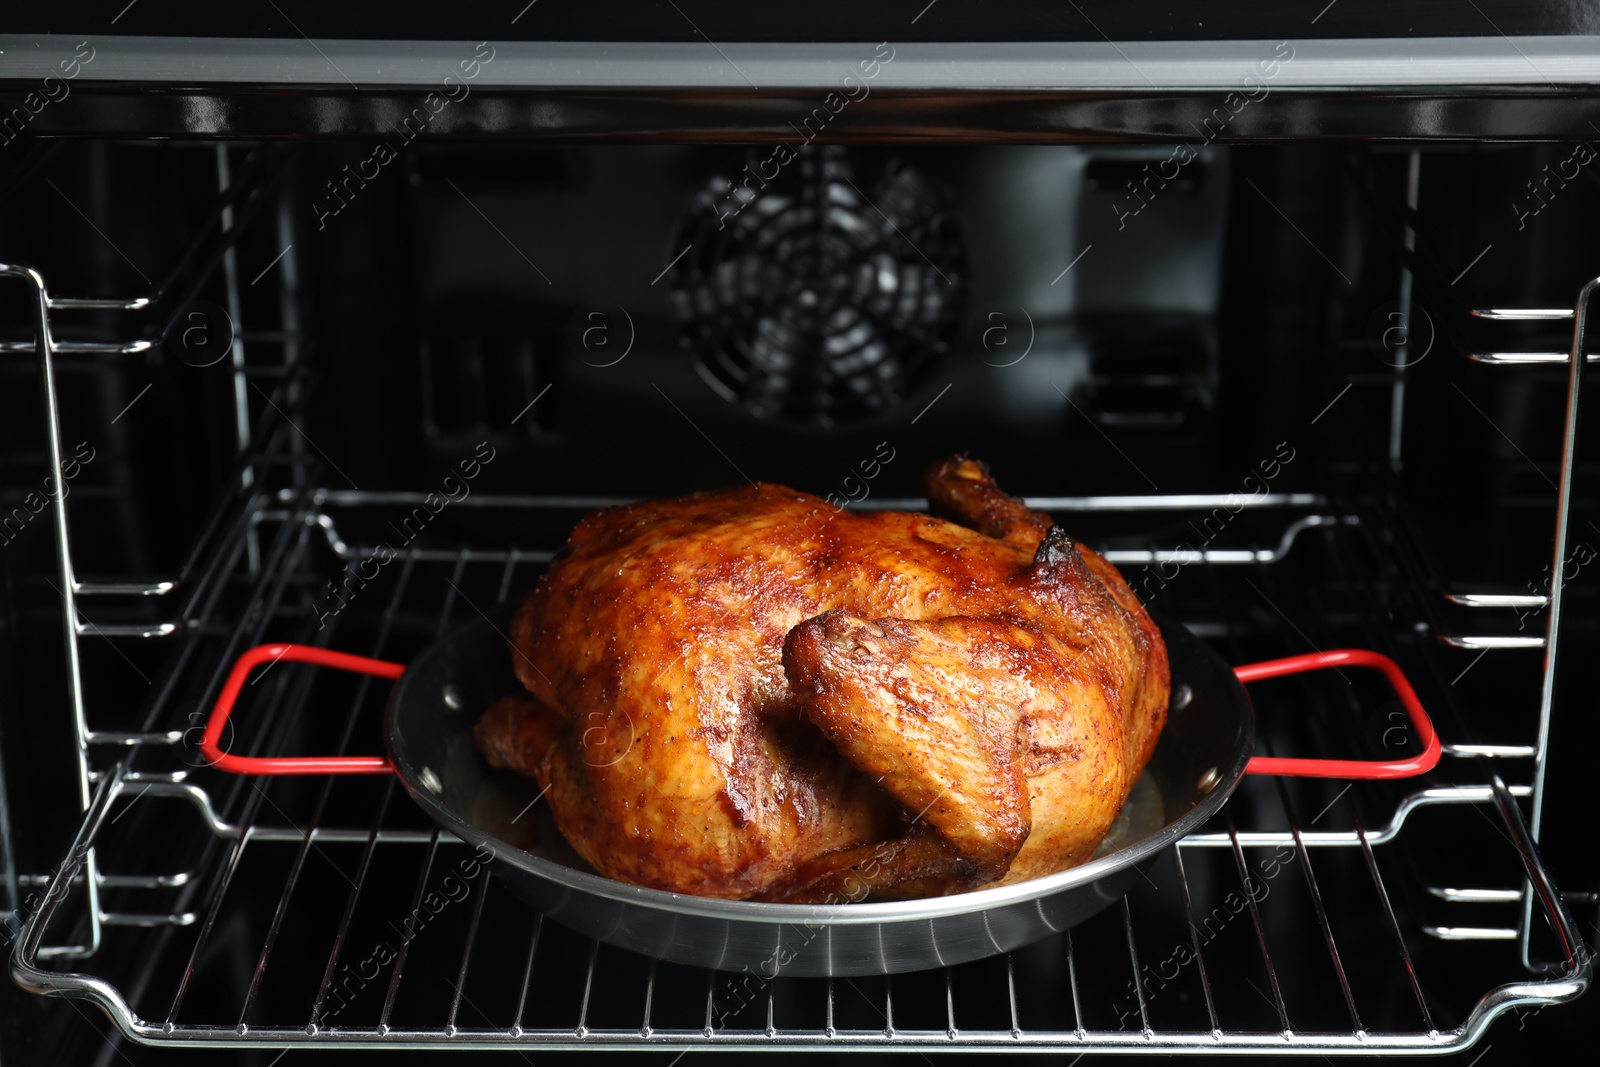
<point x="1204" y="751"/>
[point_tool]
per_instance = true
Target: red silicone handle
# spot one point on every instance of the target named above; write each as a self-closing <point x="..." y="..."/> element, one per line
<point x="1348" y="768"/>
<point x="210" y="744"/>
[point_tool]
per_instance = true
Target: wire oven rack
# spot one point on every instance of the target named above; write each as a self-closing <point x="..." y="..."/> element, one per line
<point x="1307" y="918"/>
<point x="379" y="937"/>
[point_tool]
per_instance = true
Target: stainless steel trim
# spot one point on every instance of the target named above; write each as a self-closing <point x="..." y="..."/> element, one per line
<point x="1490" y="751"/>
<point x="120" y="881"/>
<point x="1472" y="933"/>
<point x="1491" y="641"/>
<point x="111" y="629"/>
<point x="1539" y="62"/>
<point x="1520" y="359"/>
<point x="1521" y="314"/>
<point x="69" y="303"/>
<point x="147" y="922"/>
<point x="125" y="588"/>
<point x="1477" y="896"/>
<point x="135" y="737"/>
<point x="1496" y="600"/>
<point x="81" y="348"/>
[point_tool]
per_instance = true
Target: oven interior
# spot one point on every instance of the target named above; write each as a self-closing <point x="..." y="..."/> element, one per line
<point x="1285" y="387"/>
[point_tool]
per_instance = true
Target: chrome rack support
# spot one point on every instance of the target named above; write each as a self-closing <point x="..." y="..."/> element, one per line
<point x="1569" y="464"/>
<point x="44" y="344"/>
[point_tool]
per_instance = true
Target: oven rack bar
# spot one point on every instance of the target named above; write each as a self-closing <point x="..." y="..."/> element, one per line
<point x="1514" y="314"/>
<point x="1132" y="502"/>
<point x="243" y="515"/>
<point x="1497" y="600"/>
<point x="1576" y="359"/>
<point x="329" y="524"/>
<point x="1526" y="359"/>
<point x="654" y="1032"/>
<point x="214" y="823"/>
<point x="333" y="498"/>
<point x="1522" y="358"/>
<point x="1180" y="556"/>
<point x="256" y="832"/>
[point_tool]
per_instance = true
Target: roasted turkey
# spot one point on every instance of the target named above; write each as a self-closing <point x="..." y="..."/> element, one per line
<point x="754" y="694"/>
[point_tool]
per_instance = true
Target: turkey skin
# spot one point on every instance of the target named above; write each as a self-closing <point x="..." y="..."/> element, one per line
<point x="753" y="694"/>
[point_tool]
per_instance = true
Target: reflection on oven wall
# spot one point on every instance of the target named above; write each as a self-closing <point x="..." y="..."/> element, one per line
<point x="1149" y="309"/>
<point x="880" y="294"/>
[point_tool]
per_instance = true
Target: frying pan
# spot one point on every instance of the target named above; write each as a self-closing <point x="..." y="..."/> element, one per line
<point x="1203" y="753"/>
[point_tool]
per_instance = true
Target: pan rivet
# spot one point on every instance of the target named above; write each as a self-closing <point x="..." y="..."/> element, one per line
<point x="430" y="781"/>
<point x="1208" y="781"/>
<point x="1181" y="697"/>
<point x="452" y="698"/>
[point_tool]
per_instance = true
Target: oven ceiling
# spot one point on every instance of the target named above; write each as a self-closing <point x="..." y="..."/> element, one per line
<point x="822" y="20"/>
<point x="754" y="67"/>
<point x="1464" y="89"/>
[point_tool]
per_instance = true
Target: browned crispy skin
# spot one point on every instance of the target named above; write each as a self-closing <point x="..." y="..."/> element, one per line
<point x="918" y="863"/>
<point x="986" y="697"/>
<point x="517" y="732"/>
<point x="928" y="711"/>
<point x="962" y="489"/>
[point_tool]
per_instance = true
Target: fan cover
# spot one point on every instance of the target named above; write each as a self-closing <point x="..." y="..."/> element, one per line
<point x="823" y="293"/>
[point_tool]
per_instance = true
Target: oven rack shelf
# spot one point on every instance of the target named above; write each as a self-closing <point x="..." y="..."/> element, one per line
<point x="704" y="1020"/>
<point x="1341" y="857"/>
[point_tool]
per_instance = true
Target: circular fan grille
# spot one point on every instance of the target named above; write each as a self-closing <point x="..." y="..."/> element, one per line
<point x="823" y="292"/>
